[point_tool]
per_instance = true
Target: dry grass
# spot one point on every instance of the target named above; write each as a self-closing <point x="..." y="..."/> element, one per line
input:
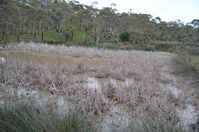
<point x="135" y="79"/>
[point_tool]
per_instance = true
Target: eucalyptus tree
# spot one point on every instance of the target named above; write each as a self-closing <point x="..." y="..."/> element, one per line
<point x="195" y="22"/>
<point x="87" y="16"/>
<point x="106" y="22"/>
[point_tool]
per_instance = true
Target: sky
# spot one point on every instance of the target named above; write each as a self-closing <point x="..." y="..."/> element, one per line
<point x="167" y="10"/>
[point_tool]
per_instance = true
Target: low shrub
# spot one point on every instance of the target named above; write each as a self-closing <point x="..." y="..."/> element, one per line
<point x="163" y="46"/>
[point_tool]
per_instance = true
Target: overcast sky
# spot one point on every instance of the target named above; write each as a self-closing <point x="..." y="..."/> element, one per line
<point x="167" y="10"/>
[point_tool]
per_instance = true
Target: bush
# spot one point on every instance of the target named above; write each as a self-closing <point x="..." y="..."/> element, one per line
<point x="125" y="36"/>
<point x="163" y="46"/>
<point x="148" y="47"/>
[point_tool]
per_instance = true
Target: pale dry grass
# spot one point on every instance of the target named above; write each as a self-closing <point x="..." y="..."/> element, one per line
<point x="134" y="79"/>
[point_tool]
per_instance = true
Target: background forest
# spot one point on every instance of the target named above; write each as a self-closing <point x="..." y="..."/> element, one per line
<point x="71" y="23"/>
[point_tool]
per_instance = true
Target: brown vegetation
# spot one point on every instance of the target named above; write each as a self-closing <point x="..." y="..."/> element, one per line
<point x="141" y="82"/>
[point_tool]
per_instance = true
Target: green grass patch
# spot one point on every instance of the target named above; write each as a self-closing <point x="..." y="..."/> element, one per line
<point x="26" y="37"/>
<point x="52" y="36"/>
<point x="79" y="36"/>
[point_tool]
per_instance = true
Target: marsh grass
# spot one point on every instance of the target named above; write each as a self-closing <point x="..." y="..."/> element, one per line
<point x="148" y="91"/>
<point x="24" y="116"/>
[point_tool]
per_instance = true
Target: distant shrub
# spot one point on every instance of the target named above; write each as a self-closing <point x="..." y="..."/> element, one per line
<point x="147" y="47"/>
<point x="125" y="36"/>
<point x="108" y="46"/>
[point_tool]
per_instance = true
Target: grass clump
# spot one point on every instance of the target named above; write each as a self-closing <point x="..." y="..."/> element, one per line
<point x="26" y="117"/>
<point x="152" y="125"/>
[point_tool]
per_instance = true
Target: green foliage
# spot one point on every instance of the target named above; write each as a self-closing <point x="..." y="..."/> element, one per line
<point x="195" y="22"/>
<point x="125" y="36"/>
<point x="26" y="117"/>
<point x="79" y="36"/>
<point x="52" y="36"/>
<point x="163" y="46"/>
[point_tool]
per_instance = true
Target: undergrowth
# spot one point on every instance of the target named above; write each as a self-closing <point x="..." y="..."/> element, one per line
<point x="187" y="65"/>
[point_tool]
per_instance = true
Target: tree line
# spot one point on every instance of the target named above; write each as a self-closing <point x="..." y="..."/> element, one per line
<point x="57" y="21"/>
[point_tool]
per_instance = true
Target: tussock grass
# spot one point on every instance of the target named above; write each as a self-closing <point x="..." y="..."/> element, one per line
<point x="24" y="116"/>
<point x="147" y="124"/>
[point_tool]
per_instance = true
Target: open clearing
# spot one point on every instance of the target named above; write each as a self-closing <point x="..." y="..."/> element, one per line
<point x="115" y="88"/>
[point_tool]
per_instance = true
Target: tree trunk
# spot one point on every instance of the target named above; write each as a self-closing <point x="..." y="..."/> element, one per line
<point x="42" y="36"/>
<point x="86" y="39"/>
<point x="18" y="39"/>
<point x="65" y="34"/>
<point x="97" y="39"/>
<point x="72" y="35"/>
<point x="35" y="31"/>
<point x="113" y="35"/>
<point x="42" y="32"/>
